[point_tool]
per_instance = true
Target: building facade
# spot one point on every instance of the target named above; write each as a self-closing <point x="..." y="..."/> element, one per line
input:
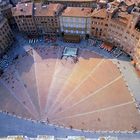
<point x="76" y="20"/>
<point x="117" y="23"/>
<point x="6" y="35"/>
<point x="37" y="18"/>
<point x="135" y="36"/>
<point x="5" y="9"/>
<point x="46" y="18"/>
<point x="23" y="15"/>
<point x="99" y="24"/>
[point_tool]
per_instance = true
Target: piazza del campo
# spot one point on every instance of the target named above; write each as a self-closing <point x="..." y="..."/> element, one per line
<point x="69" y="70"/>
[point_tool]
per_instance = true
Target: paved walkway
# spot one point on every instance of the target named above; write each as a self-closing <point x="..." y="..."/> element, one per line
<point x="131" y="78"/>
<point x="10" y="125"/>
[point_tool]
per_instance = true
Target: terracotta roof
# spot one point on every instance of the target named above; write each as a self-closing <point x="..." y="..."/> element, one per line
<point x="23" y="9"/>
<point x="77" y="12"/>
<point x="129" y="2"/>
<point x="123" y="18"/>
<point x="113" y="6"/>
<point x="115" y="3"/>
<point x="47" y="10"/>
<point x="100" y="13"/>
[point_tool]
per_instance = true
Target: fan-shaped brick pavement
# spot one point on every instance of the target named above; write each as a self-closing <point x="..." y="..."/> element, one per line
<point x="90" y="94"/>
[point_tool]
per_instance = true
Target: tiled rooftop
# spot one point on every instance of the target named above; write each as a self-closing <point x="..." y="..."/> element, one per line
<point x="77" y="12"/>
<point x="123" y="18"/>
<point x="46" y="10"/>
<point x="100" y="13"/>
<point x="23" y="9"/>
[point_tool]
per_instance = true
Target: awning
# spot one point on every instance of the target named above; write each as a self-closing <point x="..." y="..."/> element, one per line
<point x="72" y="38"/>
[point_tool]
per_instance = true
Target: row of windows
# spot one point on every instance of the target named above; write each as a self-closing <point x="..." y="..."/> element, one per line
<point x="30" y="23"/>
<point x="36" y="18"/>
<point x="26" y="28"/>
<point x="115" y="39"/>
<point x="97" y="23"/>
<point x="98" y="18"/>
<point x="46" y="19"/>
<point x="70" y="19"/>
<point x="97" y="29"/>
<point x="132" y="35"/>
<point x="117" y="27"/>
<point x="6" y="41"/>
<point x="50" y="23"/>
<point x="75" y="25"/>
<point x="115" y="33"/>
<point x="97" y="34"/>
<point x="4" y="29"/>
<point x="76" y="31"/>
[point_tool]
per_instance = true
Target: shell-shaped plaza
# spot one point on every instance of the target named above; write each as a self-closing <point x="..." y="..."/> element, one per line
<point x="89" y="93"/>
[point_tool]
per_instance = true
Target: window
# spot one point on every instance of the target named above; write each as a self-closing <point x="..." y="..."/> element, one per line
<point x="71" y="31"/>
<point x="77" y="25"/>
<point x="83" y="20"/>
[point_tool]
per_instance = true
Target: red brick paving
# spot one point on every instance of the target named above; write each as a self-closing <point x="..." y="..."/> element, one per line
<point x="110" y="96"/>
<point x="120" y="118"/>
<point x="45" y="68"/>
<point x="26" y="69"/>
<point x="10" y="104"/>
<point x="80" y="72"/>
<point x="63" y="66"/>
<point x="90" y="94"/>
<point x="18" y="90"/>
<point x="97" y="79"/>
